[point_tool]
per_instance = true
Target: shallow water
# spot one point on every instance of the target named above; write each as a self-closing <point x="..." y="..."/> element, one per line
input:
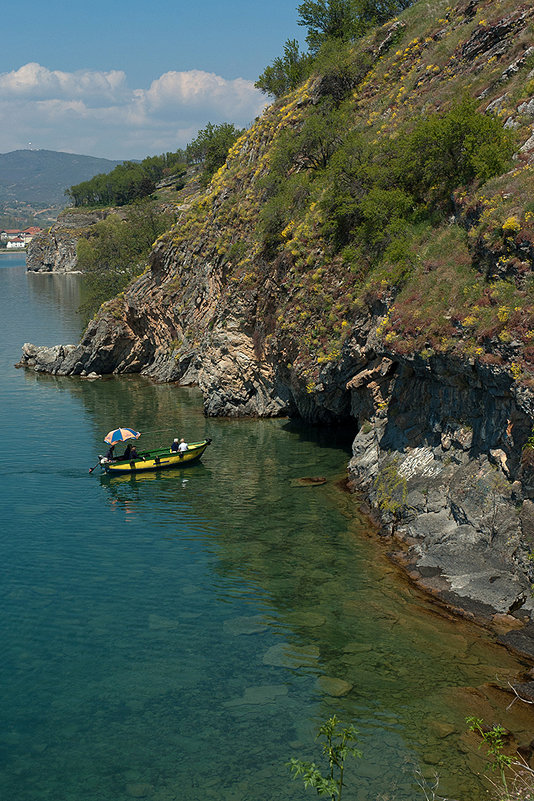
<point x="180" y="635"/>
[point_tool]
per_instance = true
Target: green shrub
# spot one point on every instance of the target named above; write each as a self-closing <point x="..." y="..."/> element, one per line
<point x="340" y="69"/>
<point x="445" y="151"/>
<point x="116" y="251"/>
<point x="286" y="72"/>
<point x="210" y="147"/>
<point x="288" y="199"/>
<point x="128" y="182"/>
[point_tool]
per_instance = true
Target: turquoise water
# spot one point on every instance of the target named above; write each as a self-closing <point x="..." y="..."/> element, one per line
<point x="180" y="635"/>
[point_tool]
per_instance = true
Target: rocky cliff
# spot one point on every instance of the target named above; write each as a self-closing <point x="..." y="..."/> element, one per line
<point x="54" y="250"/>
<point x="431" y="361"/>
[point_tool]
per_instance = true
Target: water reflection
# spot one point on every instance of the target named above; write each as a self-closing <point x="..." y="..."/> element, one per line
<point x="221" y="609"/>
<point x="59" y="293"/>
<point x="350" y="635"/>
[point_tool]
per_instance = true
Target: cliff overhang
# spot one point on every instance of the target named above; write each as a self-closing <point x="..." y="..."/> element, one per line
<point x="433" y="364"/>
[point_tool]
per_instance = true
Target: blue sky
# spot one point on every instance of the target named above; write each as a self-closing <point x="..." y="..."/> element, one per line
<point x="127" y="79"/>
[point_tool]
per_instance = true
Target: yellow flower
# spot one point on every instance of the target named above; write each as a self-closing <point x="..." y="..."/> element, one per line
<point x="516" y="370"/>
<point x="511" y="226"/>
<point x="503" y="313"/>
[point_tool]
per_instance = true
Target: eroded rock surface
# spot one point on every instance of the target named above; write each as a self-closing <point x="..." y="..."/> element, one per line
<point x="440" y="435"/>
<point x="54" y="250"/>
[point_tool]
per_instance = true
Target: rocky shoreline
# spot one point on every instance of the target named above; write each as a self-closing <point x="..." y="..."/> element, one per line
<point x="54" y="250"/>
<point x="439" y="455"/>
<point x="443" y="414"/>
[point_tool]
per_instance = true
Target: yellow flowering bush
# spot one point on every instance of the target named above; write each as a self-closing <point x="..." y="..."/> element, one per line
<point x="511" y="226"/>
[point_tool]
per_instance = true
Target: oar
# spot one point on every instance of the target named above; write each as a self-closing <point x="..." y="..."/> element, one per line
<point x="94" y="468"/>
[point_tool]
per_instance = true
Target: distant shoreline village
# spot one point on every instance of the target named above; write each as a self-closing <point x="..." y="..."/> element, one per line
<point x="17" y="239"/>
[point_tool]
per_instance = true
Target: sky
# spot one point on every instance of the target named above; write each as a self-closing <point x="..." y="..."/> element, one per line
<point x="124" y="80"/>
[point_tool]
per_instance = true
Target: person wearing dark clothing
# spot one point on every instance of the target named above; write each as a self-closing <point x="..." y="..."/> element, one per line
<point x="127" y="451"/>
<point x="133" y="453"/>
<point x="175" y="446"/>
<point x="110" y="456"/>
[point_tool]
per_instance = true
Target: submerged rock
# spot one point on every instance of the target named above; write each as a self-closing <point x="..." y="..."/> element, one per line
<point x="307" y="481"/>
<point x="264" y="694"/>
<point x="139" y="789"/>
<point x="292" y="656"/>
<point x="332" y="686"/>
<point x="253" y="624"/>
<point x="305" y="619"/>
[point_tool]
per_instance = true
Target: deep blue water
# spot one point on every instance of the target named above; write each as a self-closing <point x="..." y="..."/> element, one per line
<point x="181" y="635"/>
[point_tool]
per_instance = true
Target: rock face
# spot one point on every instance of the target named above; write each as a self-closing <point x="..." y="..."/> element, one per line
<point x="441" y="449"/>
<point x="443" y="463"/>
<point x="54" y="250"/>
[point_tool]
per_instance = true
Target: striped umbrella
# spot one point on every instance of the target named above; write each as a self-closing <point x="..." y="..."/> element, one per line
<point x="121" y="434"/>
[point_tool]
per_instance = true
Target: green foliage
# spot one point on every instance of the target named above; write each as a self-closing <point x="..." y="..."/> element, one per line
<point x="530" y="441"/>
<point x="446" y="151"/>
<point x="492" y="738"/>
<point x="210" y="147"/>
<point x="237" y="250"/>
<point x="330" y="23"/>
<point x="337" y="746"/>
<point x="116" y="251"/>
<point x="340" y="68"/>
<point x="286" y="72"/>
<point x="344" y="20"/>
<point x="378" y="191"/>
<point x="391" y="489"/>
<point x="298" y="159"/>
<point x="128" y="182"/>
<point x="375" y="196"/>
<point x="328" y="19"/>
<point x="318" y="139"/>
<point x="287" y="199"/>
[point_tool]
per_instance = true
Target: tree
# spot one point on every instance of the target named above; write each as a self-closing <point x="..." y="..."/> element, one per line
<point x="344" y="19"/>
<point x="127" y="182"/>
<point x="210" y="148"/>
<point x="286" y="72"/>
<point x="116" y="251"/>
<point x="326" y="19"/>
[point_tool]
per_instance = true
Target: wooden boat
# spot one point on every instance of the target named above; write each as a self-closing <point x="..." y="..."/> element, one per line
<point x="155" y="460"/>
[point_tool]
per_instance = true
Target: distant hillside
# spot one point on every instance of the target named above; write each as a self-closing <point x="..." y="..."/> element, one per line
<point x="38" y="178"/>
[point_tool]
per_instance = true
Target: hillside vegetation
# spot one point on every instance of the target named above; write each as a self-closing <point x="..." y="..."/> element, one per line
<point x="385" y="203"/>
<point x="132" y="181"/>
<point x="364" y="257"/>
<point x="396" y="178"/>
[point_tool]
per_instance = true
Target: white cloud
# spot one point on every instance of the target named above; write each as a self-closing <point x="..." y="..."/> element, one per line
<point x="196" y="89"/>
<point x="33" y="80"/>
<point x="97" y="113"/>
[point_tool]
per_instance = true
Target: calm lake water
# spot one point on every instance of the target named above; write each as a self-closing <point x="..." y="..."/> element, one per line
<point x="181" y="635"/>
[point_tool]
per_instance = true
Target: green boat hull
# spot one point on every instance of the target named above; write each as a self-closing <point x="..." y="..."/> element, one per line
<point x="159" y="459"/>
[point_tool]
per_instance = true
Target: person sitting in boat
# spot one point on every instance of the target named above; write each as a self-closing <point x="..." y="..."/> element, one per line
<point x="133" y="453"/>
<point x="175" y="447"/>
<point x="110" y="456"/>
<point x="182" y="447"/>
<point x="127" y="451"/>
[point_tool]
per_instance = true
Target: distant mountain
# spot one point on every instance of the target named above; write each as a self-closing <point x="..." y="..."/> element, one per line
<point x="38" y="178"/>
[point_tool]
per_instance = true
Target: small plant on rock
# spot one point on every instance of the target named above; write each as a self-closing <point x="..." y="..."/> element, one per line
<point x="516" y="776"/>
<point x="493" y="739"/>
<point x="338" y="744"/>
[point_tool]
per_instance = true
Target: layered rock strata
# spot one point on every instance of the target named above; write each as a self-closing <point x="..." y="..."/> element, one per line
<point x="441" y="446"/>
<point x="54" y="250"/>
<point x="439" y="449"/>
